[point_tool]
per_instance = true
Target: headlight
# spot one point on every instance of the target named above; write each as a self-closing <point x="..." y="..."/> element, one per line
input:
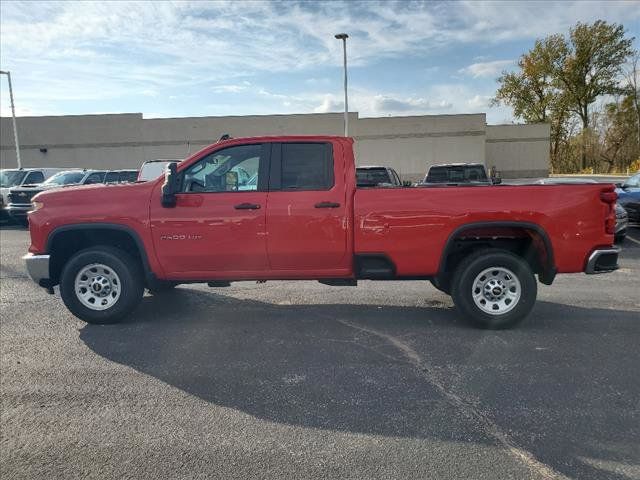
<point x="36" y="206"/>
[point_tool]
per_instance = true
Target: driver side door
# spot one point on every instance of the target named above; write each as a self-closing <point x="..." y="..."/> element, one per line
<point x="217" y="228"/>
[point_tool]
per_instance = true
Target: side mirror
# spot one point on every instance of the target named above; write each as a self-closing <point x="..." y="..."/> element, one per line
<point x="171" y="185"/>
<point x="496" y="180"/>
<point x="407" y="183"/>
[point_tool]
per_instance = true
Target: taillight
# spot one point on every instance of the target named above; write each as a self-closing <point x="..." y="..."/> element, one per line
<point x="609" y="196"/>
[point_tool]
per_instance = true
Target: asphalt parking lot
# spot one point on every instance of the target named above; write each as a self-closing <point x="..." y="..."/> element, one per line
<point x="301" y="380"/>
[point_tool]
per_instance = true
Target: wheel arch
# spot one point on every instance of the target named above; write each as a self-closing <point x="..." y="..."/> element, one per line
<point x="65" y="240"/>
<point x="528" y="239"/>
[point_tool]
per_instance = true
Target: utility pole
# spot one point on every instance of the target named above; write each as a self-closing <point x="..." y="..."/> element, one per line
<point x="343" y="37"/>
<point x="13" y="114"/>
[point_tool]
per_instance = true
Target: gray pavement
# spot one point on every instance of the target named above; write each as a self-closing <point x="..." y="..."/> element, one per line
<point x="300" y="380"/>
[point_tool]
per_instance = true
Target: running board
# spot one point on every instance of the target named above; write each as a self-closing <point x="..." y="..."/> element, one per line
<point x="374" y="266"/>
<point x="339" y="282"/>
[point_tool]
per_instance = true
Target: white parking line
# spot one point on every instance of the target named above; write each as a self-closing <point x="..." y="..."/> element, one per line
<point x="633" y="240"/>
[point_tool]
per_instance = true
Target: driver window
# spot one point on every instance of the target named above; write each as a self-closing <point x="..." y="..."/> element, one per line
<point x="234" y="169"/>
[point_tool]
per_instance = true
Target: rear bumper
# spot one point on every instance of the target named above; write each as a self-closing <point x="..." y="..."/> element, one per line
<point x="603" y="260"/>
<point x="38" y="267"/>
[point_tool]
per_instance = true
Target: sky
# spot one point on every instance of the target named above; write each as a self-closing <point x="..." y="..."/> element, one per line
<point x="176" y="59"/>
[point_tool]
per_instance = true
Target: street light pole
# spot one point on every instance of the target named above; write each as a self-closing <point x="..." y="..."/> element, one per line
<point x="13" y="114"/>
<point x="343" y="37"/>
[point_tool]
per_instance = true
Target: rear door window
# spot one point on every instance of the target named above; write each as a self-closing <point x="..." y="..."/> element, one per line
<point x="306" y="166"/>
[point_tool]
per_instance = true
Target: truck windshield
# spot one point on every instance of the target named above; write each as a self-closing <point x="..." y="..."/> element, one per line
<point x="152" y="170"/>
<point x="65" y="178"/>
<point x="370" y="177"/>
<point x="11" y="178"/>
<point x="456" y="174"/>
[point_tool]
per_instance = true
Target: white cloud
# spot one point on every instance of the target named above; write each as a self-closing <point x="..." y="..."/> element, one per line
<point x="104" y="51"/>
<point x="486" y="69"/>
<point x="370" y="104"/>
<point x="479" y="102"/>
<point x="228" y="88"/>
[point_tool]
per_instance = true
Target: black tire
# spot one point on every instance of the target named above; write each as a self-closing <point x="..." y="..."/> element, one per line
<point x="463" y="288"/>
<point x="127" y="269"/>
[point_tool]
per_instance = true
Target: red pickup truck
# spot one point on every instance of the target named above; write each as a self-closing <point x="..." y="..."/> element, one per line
<point x="288" y="208"/>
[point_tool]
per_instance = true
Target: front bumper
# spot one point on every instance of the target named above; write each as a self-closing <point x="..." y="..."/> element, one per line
<point x="38" y="268"/>
<point x="18" y="210"/>
<point x="621" y="225"/>
<point x="603" y="260"/>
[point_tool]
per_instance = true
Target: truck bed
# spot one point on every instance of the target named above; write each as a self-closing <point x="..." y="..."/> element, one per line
<point x="413" y="225"/>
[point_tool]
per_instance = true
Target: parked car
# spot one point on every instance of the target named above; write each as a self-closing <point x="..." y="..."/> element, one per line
<point x="152" y="169"/>
<point x="14" y="177"/>
<point x="459" y="173"/>
<point x="622" y="222"/>
<point x="629" y="197"/>
<point x="377" y="176"/>
<point x="121" y="176"/>
<point x="20" y="197"/>
<point x="305" y="219"/>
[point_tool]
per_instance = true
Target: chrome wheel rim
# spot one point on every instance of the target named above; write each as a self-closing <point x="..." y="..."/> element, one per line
<point x="97" y="286"/>
<point x="496" y="290"/>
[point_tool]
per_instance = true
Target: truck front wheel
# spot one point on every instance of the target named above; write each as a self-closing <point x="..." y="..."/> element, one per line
<point x="494" y="289"/>
<point x="101" y="284"/>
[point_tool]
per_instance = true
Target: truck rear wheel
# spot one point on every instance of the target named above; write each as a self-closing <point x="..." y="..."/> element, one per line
<point x="494" y="289"/>
<point x="101" y="284"/>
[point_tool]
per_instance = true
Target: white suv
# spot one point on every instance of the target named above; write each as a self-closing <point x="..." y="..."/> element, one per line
<point x="15" y="177"/>
<point x="20" y="197"/>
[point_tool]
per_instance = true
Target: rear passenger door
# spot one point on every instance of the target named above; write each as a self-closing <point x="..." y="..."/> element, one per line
<point x="306" y="210"/>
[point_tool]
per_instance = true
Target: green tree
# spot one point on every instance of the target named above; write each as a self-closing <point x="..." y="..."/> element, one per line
<point x="614" y="129"/>
<point x="532" y="91"/>
<point x="633" y="89"/>
<point x="590" y="67"/>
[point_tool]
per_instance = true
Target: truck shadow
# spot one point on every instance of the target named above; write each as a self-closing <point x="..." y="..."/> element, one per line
<point x="547" y="383"/>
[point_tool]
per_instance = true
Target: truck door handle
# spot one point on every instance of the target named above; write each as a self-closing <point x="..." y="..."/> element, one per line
<point x="247" y="206"/>
<point x="327" y="205"/>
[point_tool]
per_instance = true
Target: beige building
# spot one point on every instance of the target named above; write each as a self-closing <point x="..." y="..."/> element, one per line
<point x="409" y="144"/>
